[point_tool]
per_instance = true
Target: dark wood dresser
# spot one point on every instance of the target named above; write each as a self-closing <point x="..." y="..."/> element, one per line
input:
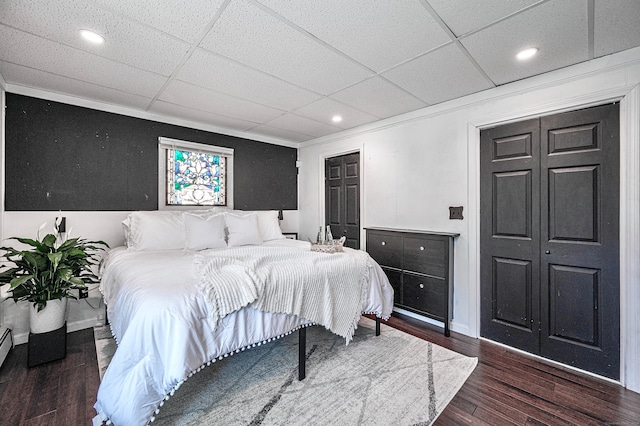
<point x="419" y="265"/>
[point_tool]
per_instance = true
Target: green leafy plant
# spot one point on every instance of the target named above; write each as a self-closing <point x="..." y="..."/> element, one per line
<point x="50" y="268"/>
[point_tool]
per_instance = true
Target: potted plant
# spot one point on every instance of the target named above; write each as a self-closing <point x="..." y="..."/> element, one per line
<point x="46" y="272"/>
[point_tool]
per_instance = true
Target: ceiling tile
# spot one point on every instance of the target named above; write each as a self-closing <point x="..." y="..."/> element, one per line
<point x="223" y="75"/>
<point x="170" y="16"/>
<point x="172" y="110"/>
<point x="188" y="95"/>
<point x="442" y="75"/>
<point x="379" y="97"/>
<point x="616" y="27"/>
<point x="34" y="52"/>
<point x="275" y="132"/>
<point x="558" y="28"/>
<point x="378" y="34"/>
<point x="302" y="125"/>
<point x="324" y="109"/>
<point x="253" y="37"/>
<point x="126" y="41"/>
<point x="29" y="77"/>
<point x="464" y="16"/>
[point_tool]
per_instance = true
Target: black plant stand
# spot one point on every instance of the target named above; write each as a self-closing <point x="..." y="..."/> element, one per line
<point x="47" y="347"/>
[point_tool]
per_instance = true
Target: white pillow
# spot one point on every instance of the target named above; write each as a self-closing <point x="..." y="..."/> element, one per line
<point x="205" y="213"/>
<point x="204" y="232"/>
<point x="126" y="228"/>
<point x="269" y="225"/>
<point x="156" y="230"/>
<point x="243" y="230"/>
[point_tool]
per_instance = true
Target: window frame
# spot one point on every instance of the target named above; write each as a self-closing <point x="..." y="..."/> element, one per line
<point x="165" y="144"/>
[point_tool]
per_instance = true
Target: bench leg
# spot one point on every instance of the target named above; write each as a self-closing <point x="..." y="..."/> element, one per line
<point x="302" y="352"/>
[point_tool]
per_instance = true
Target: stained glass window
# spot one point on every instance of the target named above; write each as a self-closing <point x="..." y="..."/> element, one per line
<point x="195" y="174"/>
<point x="195" y="178"/>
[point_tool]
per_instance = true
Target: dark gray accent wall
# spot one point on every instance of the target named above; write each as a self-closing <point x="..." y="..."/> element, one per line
<point x="65" y="157"/>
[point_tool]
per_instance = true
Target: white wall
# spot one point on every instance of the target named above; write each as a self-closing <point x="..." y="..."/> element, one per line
<point x="417" y="165"/>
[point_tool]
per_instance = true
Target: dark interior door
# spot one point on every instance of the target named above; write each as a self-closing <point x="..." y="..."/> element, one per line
<point x="510" y="234"/>
<point x="550" y="237"/>
<point x="580" y="303"/>
<point x="342" y="197"/>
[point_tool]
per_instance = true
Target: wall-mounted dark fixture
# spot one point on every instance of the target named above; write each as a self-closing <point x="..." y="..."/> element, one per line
<point x="455" y="213"/>
<point x="62" y="225"/>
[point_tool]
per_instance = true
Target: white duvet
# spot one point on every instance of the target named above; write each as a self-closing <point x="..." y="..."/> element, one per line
<point x="165" y="332"/>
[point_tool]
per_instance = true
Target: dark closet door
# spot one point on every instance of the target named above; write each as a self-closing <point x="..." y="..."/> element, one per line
<point x="342" y="197"/>
<point x="580" y="303"/>
<point x="550" y="237"/>
<point x="510" y="234"/>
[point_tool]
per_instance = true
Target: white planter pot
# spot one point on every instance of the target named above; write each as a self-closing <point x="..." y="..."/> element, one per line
<point x="52" y="317"/>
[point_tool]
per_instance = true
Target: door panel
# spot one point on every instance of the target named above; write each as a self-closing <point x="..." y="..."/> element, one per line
<point x="512" y="204"/>
<point x="573" y="204"/>
<point x="512" y="292"/>
<point x="509" y="236"/>
<point x="572" y="314"/>
<point x="580" y="303"/>
<point x="342" y="197"/>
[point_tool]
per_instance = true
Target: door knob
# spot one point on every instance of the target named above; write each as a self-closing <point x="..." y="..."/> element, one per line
<point x="547" y="252"/>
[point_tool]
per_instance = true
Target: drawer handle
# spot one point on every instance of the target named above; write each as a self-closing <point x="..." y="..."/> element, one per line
<point x="421" y="248"/>
<point x="384" y="243"/>
<point x="421" y="285"/>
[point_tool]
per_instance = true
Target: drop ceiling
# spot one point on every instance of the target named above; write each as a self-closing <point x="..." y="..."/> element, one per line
<point x="281" y="69"/>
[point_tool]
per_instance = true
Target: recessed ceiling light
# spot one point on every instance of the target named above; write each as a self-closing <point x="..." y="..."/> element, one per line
<point x="92" y="37"/>
<point x="336" y="119"/>
<point x="527" y="53"/>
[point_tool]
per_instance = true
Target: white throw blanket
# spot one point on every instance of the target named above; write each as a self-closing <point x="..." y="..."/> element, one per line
<point x="327" y="289"/>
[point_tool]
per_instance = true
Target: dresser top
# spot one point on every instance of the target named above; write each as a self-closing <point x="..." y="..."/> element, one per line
<point x="413" y="231"/>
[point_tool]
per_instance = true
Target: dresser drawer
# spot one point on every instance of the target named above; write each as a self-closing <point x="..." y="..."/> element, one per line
<point x="385" y="248"/>
<point x="424" y="294"/>
<point x="425" y="255"/>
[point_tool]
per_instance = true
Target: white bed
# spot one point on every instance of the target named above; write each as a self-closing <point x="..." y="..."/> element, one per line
<point x="163" y="320"/>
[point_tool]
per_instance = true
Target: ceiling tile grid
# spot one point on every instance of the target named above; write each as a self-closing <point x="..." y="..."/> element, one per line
<point x="283" y="69"/>
<point x="616" y="27"/>
<point x="379" y="97"/>
<point x="558" y="28"/>
<point x="195" y="115"/>
<point x="377" y="34"/>
<point x="327" y="107"/>
<point x="298" y="124"/>
<point x="465" y="16"/>
<point x="31" y="51"/>
<point x="169" y="16"/>
<point x="34" y="78"/>
<point x="129" y="42"/>
<point x="276" y="132"/>
<point x="442" y="75"/>
<point x="223" y="75"/>
<point x="251" y="36"/>
<point x="188" y="95"/>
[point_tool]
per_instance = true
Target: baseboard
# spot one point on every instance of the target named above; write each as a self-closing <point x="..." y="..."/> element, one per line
<point x="22" y="338"/>
<point x="454" y="326"/>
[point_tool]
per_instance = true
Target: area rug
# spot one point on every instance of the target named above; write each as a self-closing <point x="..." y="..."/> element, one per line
<point x="393" y="378"/>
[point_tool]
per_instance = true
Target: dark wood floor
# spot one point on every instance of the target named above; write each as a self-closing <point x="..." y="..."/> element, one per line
<point x="58" y="393"/>
<point x="505" y="388"/>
